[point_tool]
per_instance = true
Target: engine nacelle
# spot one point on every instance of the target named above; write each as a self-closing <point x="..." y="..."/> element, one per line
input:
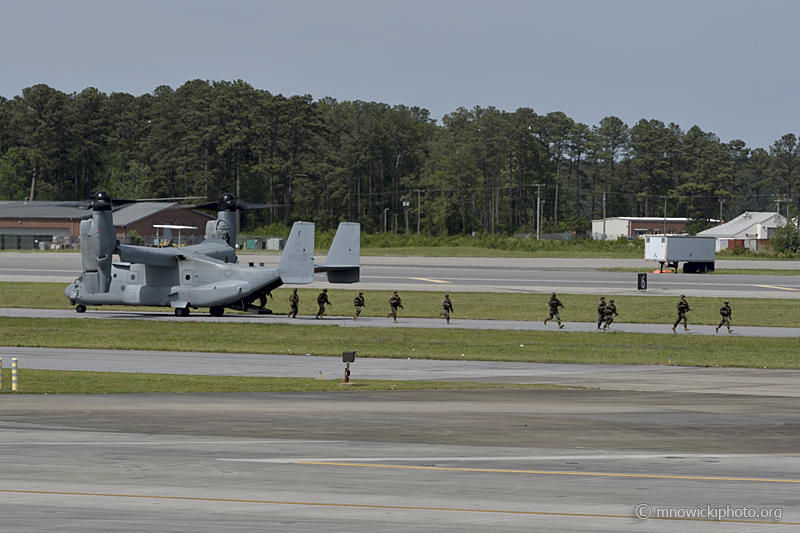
<point x="98" y="240"/>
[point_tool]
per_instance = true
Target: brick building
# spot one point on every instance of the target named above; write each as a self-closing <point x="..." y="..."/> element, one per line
<point x="44" y="225"/>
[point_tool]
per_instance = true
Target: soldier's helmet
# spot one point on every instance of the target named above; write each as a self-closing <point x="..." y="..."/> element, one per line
<point x="682" y="296"/>
<point x="612" y="300"/>
<point x="359" y="292"/>
<point x="395" y="292"/>
<point x="447" y="296"/>
<point x="554" y="294"/>
<point x="726" y="301"/>
<point x="324" y="290"/>
<point x="295" y="290"/>
<point x="602" y="297"/>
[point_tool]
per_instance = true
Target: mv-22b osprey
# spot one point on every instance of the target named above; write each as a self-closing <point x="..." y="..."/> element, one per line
<point x="201" y="275"/>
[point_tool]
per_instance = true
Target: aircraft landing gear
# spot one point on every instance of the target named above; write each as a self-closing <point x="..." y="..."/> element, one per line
<point x="80" y="308"/>
<point x="217" y="311"/>
<point x="181" y="311"/>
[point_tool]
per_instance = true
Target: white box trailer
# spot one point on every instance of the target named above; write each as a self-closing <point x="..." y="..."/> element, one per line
<point x="697" y="253"/>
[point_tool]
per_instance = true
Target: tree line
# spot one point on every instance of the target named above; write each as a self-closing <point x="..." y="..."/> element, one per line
<point x="481" y="170"/>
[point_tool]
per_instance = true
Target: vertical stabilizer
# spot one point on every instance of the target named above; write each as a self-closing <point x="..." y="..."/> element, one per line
<point x="297" y="261"/>
<point x="343" y="263"/>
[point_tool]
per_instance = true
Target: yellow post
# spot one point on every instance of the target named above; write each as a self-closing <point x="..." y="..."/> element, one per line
<point x="14" y="374"/>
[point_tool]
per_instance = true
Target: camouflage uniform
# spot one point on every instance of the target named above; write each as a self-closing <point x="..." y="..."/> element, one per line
<point x="262" y="295"/>
<point x="683" y="307"/>
<point x="610" y="312"/>
<point x="601" y="311"/>
<point x="358" y="302"/>
<point x="554" y="304"/>
<point x="322" y="299"/>
<point x="726" y="312"/>
<point x="447" y="307"/>
<point x="294" y="300"/>
<point x="394" y="303"/>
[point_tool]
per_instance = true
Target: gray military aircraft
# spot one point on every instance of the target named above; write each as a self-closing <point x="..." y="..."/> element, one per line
<point x="201" y="275"/>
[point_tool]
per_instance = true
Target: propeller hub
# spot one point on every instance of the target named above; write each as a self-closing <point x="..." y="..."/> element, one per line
<point x="227" y="202"/>
<point x="101" y="201"/>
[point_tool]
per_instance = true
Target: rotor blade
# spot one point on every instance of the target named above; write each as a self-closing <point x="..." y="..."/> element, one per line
<point x="83" y="204"/>
<point x="246" y="206"/>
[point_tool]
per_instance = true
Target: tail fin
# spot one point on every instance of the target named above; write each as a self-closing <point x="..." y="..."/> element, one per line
<point x="343" y="264"/>
<point x="297" y="261"/>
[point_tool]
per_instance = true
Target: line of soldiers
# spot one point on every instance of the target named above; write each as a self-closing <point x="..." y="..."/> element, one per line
<point x="683" y="307"/>
<point x="606" y="312"/>
<point x="395" y="302"/>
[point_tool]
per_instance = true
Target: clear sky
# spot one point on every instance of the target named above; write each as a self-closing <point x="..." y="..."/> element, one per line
<point x="727" y="66"/>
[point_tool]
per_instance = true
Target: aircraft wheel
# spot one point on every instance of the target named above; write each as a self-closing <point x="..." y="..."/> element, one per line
<point x="217" y="311"/>
<point x="181" y="311"/>
<point x="80" y="308"/>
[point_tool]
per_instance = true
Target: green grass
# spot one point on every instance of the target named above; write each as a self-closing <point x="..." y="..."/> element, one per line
<point x="475" y="251"/>
<point x="32" y="381"/>
<point x="642" y="309"/>
<point x="477" y="345"/>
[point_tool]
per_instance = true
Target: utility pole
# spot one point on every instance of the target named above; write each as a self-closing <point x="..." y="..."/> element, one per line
<point x="406" y="203"/>
<point x="721" y="201"/>
<point x="418" y="191"/>
<point x="665" y="216"/>
<point x="538" y="205"/>
<point x="604" y="215"/>
<point x="385" y="214"/>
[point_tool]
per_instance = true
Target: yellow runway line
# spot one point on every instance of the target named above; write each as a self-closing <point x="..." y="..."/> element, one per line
<point x="554" y="472"/>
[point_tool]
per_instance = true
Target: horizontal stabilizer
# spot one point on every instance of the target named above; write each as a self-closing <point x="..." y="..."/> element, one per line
<point x="297" y="261"/>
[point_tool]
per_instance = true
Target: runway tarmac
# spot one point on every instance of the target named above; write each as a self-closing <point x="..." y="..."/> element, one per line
<point x="533" y="460"/>
<point x="467" y="274"/>
<point x="715" y="449"/>
<point x="648" y="378"/>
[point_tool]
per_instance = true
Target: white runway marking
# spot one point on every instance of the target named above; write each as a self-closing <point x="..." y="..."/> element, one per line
<point x="284" y="460"/>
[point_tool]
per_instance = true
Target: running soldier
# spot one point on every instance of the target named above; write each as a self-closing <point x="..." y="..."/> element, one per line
<point x="726" y="312"/>
<point x="322" y="300"/>
<point x="447" y="308"/>
<point x="683" y="307"/>
<point x="262" y="295"/>
<point x="294" y="301"/>
<point x="394" y="303"/>
<point x="358" y="301"/>
<point x="610" y="312"/>
<point x="554" y="304"/>
<point x="601" y="311"/>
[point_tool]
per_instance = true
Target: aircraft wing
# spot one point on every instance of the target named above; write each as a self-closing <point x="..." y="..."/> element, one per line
<point x="149" y="256"/>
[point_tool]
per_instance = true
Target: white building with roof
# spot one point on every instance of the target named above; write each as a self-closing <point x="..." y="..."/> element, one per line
<point x="750" y="230"/>
<point x="612" y="228"/>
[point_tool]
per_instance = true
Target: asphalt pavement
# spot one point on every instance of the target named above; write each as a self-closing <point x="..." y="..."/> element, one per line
<point x="648" y="378"/>
<point x="524" y="275"/>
